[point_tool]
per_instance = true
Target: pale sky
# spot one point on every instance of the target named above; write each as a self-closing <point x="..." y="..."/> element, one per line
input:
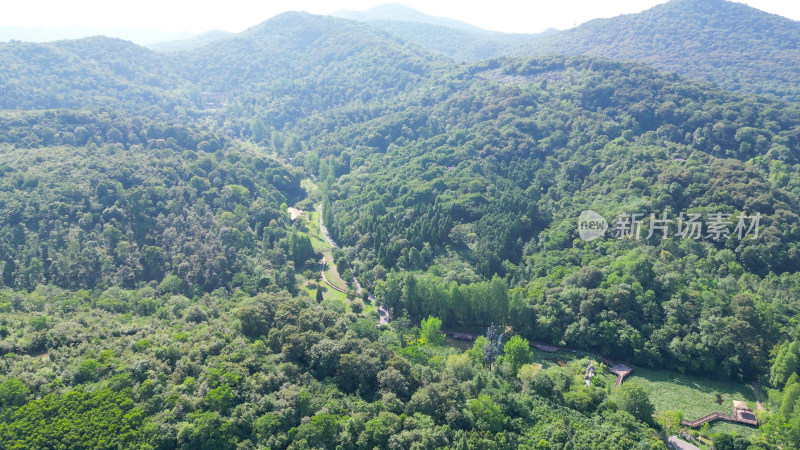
<point x="521" y="16"/>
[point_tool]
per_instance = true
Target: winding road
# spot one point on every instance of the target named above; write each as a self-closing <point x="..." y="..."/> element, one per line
<point x="383" y="313"/>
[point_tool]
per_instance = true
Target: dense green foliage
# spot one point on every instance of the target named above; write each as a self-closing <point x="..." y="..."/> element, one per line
<point x="101" y="419"/>
<point x="162" y="203"/>
<point x="149" y="270"/>
<point x="783" y="427"/>
<point x="269" y="371"/>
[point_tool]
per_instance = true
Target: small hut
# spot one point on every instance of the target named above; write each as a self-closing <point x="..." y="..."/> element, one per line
<point x="743" y="413"/>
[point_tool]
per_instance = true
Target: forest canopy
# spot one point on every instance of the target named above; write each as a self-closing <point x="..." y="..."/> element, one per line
<point x="161" y="245"/>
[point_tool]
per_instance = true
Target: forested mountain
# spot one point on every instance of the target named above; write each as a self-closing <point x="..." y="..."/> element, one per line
<point x="296" y="48"/>
<point x="736" y="46"/>
<point x="458" y="40"/>
<point x="156" y="293"/>
<point x="141" y="36"/>
<point x="297" y="63"/>
<point x="731" y="44"/>
<point x="285" y="68"/>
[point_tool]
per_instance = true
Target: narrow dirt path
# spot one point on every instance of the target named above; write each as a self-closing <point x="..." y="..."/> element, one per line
<point x="758" y="394"/>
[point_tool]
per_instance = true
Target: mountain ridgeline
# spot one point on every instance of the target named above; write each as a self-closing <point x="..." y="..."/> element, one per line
<point x="156" y="293"/>
<point x="190" y="43"/>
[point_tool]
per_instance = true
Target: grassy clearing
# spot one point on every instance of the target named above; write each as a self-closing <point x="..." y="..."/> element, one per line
<point x="332" y="274"/>
<point x="317" y="240"/>
<point x="311" y="188"/>
<point x="327" y="292"/>
<point x="694" y="396"/>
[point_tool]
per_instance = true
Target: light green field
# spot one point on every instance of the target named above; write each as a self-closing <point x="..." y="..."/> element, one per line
<point x="317" y="241"/>
<point x="327" y="292"/>
<point x="694" y="396"/>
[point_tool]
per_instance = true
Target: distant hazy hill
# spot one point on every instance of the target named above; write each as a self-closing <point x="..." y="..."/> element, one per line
<point x="459" y="44"/>
<point x="393" y="11"/>
<point x="190" y="43"/>
<point x="296" y="62"/>
<point x="459" y="40"/>
<point x="299" y="45"/>
<point x="734" y="45"/>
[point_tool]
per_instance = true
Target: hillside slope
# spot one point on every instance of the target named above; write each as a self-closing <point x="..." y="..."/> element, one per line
<point x="491" y="179"/>
<point x="459" y="44"/>
<point x="297" y="64"/>
<point x="301" y="48"/>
